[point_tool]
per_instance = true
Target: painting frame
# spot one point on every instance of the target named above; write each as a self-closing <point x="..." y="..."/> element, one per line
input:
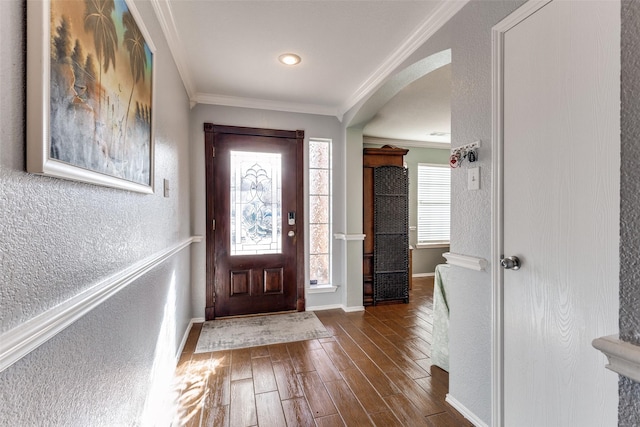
<point x="90" y="133"/>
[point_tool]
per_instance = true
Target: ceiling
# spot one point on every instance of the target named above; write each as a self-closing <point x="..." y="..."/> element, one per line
<point x="419" y="112"/>
<point x="227" y="54"/>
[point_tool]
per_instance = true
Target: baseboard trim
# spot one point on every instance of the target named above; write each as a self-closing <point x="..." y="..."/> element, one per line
<point x="185" y="336"/>
<point x="324" y="307"/>
<point x="465" y="412"/>
<point x="336" y="306"/>
<point x="26" y="337"/>
<point x="423" y="275"/>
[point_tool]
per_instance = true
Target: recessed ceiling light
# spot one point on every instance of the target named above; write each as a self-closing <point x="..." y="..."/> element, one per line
<point x="289" y="59"/>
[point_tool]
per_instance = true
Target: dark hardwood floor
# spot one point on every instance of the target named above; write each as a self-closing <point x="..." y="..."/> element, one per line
<point x="373" y="371"/>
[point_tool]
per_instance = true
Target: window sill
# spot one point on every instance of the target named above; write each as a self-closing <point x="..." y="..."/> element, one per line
<point x="322" y="289"/>
<point x="432" y="245"/>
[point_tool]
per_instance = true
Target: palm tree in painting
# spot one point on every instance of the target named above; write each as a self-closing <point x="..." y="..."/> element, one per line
<point x="98" y="20"/>
<point x="134" y="42"/>
<point x="90" y="73"/>
<point x="62" y="40"/>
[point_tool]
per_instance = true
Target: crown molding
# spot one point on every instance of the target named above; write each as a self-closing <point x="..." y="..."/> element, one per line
<point x="406" y="143"/>
<point x="164" y="14"/>
<point x="264" y="104"/>
<point x="429" y="26"/>
<point x="422" y="33"/>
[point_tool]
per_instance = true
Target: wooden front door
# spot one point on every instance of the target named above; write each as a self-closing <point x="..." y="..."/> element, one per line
<point x="255" y="222"/>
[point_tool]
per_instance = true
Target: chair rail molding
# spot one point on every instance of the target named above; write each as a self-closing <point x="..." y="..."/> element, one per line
<point x="624" y="357"/>
<point x="26" y="337"/>
<point x="345" y="236"/>
<point x="466" y="261"/>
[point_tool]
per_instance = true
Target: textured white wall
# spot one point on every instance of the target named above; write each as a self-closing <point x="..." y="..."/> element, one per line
<point x="629" y="391"/>
<point x="470" y="297"/>
<point x="58" y="238"/>
<point x="315" y="127"/>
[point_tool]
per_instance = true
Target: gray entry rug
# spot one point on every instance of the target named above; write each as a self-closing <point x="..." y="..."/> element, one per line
<point x="243" y="332"/>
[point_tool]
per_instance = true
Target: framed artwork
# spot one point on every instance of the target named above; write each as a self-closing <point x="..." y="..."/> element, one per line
<point x="90" y="84"/>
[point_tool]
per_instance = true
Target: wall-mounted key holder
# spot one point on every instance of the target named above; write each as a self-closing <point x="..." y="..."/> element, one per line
<point x="472" y="156"/>
<point x="467" y="152"/>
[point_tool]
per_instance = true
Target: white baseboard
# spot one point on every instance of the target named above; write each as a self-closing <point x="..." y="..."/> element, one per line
<point x="26" y="337"/>
<point x="335" y="306"/>
<point x="323" y="307"/>
<point x="465" y="412"/>
<point x="185" y="336"/>
<point x="423" y="275"/>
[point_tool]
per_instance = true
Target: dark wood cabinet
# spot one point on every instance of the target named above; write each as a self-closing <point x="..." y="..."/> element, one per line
<point x="372" y="158"/>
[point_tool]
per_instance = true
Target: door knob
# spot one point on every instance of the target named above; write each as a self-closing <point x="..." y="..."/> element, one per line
<point x="510" y="263"/>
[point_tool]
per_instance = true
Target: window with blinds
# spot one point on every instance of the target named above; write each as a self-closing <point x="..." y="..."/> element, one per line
<point x="434" y="203"/>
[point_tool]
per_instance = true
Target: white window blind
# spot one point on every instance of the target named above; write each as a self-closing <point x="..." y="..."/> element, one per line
<point x="434" y="203"/>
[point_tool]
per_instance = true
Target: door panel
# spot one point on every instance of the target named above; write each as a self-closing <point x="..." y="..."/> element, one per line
<point x="254" y="254"/>
<point x="561" y="197"/>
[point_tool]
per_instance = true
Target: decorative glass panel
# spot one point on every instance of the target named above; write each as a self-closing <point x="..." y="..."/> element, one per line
<point x="319" y="268"/>
<point x="320" y="212"/>
<point x="319" y="242"/>
<point x="256" y="203"/>
<point x="318" y="181"/>
<point x="319" y="209"/>
<point x="319" y="154"/>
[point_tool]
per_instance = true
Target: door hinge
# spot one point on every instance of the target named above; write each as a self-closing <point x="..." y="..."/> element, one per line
<point x="213" y="151"/>
<point x="213" y="224"/>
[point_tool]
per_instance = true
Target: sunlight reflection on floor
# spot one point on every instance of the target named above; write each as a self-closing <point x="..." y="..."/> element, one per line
<point x="192" y="378"/>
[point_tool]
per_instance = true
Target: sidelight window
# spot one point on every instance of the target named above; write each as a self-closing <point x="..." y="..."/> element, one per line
<point x="320" y="202"/>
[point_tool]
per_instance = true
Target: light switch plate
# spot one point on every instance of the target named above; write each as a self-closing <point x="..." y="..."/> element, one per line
<point x="473" y="178"/>
<point x="166" y="188"/>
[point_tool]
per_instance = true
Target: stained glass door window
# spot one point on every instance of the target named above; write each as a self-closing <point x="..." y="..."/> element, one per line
<point x="256" y="203"/>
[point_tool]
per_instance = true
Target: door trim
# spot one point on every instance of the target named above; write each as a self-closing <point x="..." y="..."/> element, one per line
<point x="210" y="131"/>
<point x="497" y="203"/>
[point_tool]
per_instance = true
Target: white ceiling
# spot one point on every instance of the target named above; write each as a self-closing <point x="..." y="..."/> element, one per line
<point x="419" y="112"/>
<point x="226" y="52"/>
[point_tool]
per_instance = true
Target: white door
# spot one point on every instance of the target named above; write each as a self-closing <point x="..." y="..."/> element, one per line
<point x="561" y="210"/>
